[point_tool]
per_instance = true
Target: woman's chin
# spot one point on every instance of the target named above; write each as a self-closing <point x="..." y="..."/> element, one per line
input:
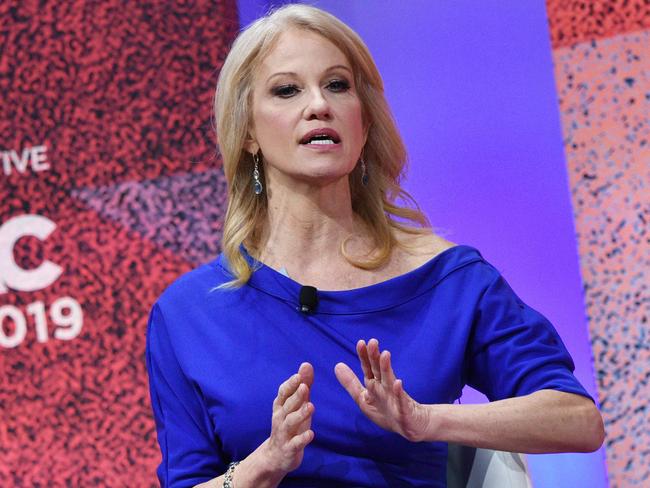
<point x="325" y="178"/>
<point x="313" y="177"/>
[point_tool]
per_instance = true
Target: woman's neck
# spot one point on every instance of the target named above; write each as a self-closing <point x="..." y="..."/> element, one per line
<point x="304" y="231"/>
<point x="306" y="227"/>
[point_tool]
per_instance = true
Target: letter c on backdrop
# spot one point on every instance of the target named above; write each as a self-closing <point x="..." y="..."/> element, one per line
<point x="13" y="276"/>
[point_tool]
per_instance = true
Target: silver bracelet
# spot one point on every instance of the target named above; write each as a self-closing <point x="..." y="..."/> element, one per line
<point x="227" y="478"/>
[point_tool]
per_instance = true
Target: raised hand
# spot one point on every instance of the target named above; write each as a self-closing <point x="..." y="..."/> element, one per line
<point x="291" y="421"/>
<point x="383" y="400"/>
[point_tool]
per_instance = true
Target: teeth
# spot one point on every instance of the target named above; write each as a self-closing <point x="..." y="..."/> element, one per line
<point x="321" y="142"/>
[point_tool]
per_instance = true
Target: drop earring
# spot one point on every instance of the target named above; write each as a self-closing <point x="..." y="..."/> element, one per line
<point x="364" y="172"/>
<point x="257" y="184"/>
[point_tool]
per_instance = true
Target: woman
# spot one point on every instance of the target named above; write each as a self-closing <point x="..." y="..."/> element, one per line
<point x="252" y="381"/>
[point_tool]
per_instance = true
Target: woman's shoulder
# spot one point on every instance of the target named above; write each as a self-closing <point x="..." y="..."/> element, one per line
<point x="196" y="283"/>
<point x="416" y="249"/>
<point x="430" y="251"/>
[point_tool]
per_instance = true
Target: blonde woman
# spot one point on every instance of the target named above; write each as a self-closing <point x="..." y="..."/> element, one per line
<point x="255" y="378"/>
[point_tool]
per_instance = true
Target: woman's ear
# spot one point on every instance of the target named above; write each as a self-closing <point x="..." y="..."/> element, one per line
<point x="251" y="145"/>
<point x="366" y="130"/>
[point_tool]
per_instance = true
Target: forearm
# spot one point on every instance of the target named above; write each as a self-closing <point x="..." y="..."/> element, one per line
<point x="252" y="472"/>
<point x="542" y="422"/>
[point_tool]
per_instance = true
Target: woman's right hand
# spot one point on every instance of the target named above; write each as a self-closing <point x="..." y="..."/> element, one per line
<point x="291" y="421"/>
<point x="291" y="431"/>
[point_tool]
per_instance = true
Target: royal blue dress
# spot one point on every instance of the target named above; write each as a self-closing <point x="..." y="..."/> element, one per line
<point x="216" y="358"/>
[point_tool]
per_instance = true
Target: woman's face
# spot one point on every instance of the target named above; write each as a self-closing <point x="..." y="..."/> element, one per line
<point x="306" y="115"/>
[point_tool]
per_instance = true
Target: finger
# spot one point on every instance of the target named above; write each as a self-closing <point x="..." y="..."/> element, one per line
<point x="306" y="423"/>
<point x="306" y="372"/>
<point x="387" y="375"/>
<point x="349" y="381"/>
<point x="398" y="387"/>
<point x="403" y="398"/>
<point x="362" y="352"/>
<point x="373" y="355"/>
<point x="297" y="418"/>
<point x="299" y="441"/>
<point x="285" y="390"/>
<point x="295" y="401"/>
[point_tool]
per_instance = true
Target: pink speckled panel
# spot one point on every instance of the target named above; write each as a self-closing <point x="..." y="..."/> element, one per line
<point x="182" y="212"/>
<point x="604" y="91"/>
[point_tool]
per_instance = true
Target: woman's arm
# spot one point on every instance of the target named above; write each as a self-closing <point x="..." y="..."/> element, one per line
<point x="190" y="451"/>
<point x="291" y="431"/>
<point x="544" y="421"/>
<point x="255" y="470"/>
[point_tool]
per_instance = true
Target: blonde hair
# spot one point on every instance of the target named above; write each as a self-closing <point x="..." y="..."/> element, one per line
<point x="384" y="151"/>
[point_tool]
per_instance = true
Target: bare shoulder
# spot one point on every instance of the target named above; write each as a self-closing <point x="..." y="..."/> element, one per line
<point x="416" y="249"/>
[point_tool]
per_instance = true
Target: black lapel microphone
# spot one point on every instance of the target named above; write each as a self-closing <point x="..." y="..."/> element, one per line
<point x="308" y="299"/>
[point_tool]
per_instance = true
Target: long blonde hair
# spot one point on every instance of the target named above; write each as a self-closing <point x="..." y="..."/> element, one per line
<point x="384" y="151"/>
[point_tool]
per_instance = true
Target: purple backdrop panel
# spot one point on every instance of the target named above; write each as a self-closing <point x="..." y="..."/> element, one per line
<point x="471" y="86"/>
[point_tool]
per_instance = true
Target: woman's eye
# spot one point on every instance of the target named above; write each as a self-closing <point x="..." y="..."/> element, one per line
<point x="285" y="91"/>
<point x="338" y="86"/>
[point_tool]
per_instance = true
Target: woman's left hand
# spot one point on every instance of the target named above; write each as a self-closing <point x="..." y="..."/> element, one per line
<point x="540" y="422"/>
<point x="383" y="400"/>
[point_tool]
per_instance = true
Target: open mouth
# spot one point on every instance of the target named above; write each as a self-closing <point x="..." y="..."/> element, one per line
<point x="320" y="139"/>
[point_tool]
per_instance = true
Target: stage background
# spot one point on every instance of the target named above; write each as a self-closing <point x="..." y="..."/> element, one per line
<point x="105" y="137"/>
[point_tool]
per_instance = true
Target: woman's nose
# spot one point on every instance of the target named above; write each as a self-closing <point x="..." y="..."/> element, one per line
<point x="317" y="106"/>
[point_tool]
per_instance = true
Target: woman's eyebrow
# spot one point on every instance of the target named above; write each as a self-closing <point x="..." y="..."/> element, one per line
<point x="291" y="73"/>
<point x="338" y="66"/>
<point x="281" y="73"/>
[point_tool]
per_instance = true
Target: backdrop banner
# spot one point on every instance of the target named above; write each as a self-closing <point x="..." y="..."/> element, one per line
<point x="110" y="187"/>
<point x="602" y="67"/>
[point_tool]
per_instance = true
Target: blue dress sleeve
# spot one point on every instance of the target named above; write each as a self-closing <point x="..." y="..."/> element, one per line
<point x="514" y="350"/>
<point x="190" y="452"/>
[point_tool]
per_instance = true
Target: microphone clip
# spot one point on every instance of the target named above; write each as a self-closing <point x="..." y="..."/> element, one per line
<point x="308" y="299"/>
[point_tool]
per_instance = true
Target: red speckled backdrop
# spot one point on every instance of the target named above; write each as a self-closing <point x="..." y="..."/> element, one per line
<point x="110" y="187"/>
<point x="601" y="51"/>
